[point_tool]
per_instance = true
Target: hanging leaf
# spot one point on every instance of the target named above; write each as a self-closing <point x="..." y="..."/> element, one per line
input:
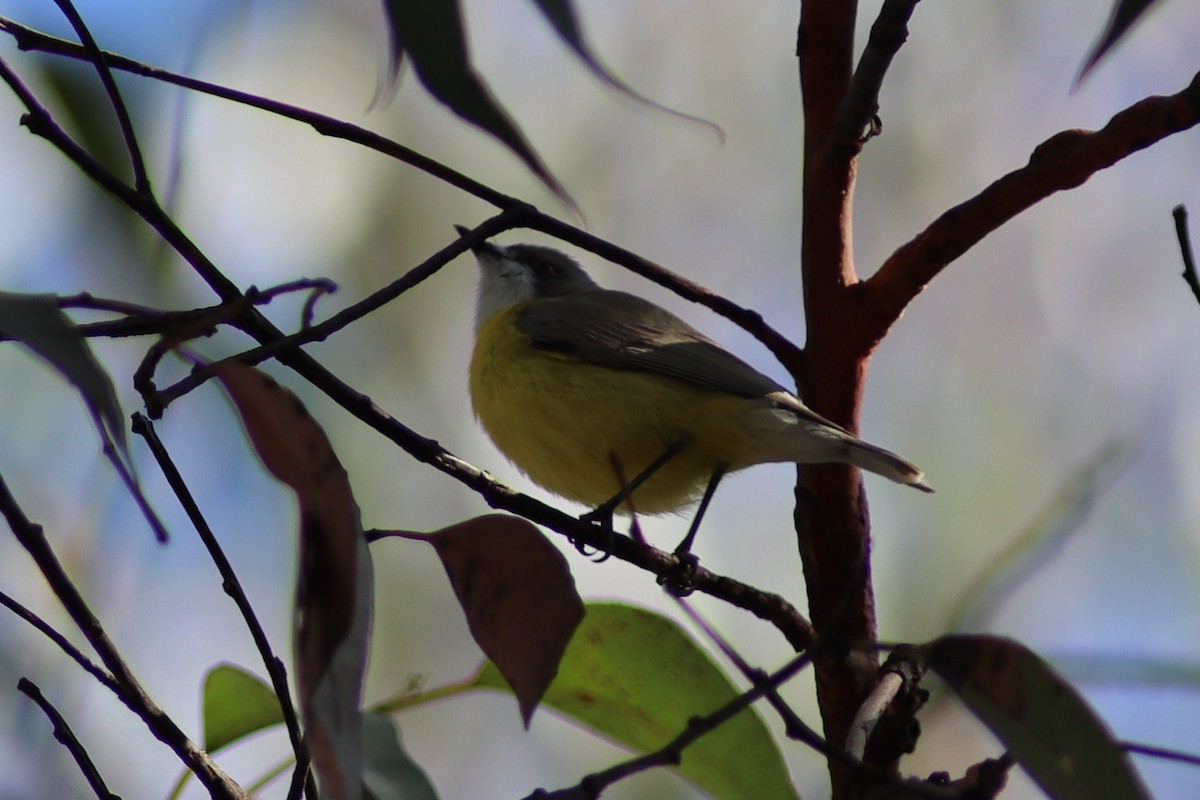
<point x="430" y="33"/>
<point x="1124" y="14"/>
<point x="561" y="16"/>
<point x="1045" y="724"/>
<point x="517" y="593"/>
<point x="334" y="588"/>
<point x="637" y="678"/>
<point x="36" y="321"/>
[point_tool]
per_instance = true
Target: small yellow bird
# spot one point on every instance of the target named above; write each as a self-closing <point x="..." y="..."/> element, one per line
<point x="586" y="389"/>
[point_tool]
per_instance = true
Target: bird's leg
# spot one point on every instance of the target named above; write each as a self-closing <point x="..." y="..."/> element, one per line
<point x="604" y="511"/>
<point x="605" y="519"/>
<point x="685" y="547"/>
<point x="635" y="527"/>
<point x="680" y="585"/>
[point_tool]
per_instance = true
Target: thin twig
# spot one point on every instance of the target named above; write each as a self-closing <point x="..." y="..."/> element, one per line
<point x="870" y="711"/>
<point x="1160" y="752"/>
<point x="131" y="693"/>
<point x="861" y="103"/>
<point x="64" y="734"/>
<point x="53" y="635"/>
<point x="795" y="727"/>
<point x="1185" y="250"/>
<point x="98" y="58"/>
<point x="141" y="320"/>
<point x="116" y="459"/>
<point x="670" y="754"/>
<point x="232" y="586"/>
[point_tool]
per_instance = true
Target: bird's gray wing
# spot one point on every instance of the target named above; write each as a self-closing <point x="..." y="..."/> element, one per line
<point x="623" y="331"/>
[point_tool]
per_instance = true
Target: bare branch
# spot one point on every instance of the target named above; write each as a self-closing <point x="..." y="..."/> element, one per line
<point x="40" y="122"/>
<point x="795" y="727"/>
<point x="592" y="785"/>
<point x="861" y="104"/>
<point x="233" y="587"/>
<point x="1063" y="161"/>
<point x="64" y="734"/>
<point x="97" y="56"/>
<point x="870" y="711"/>
<point x="53" y="635"/>
<point x="1161" y="752"/>
<point x="131" y="693"/>
<point x="1185" y="250"/>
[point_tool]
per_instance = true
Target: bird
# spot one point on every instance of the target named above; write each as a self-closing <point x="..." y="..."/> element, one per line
<point x="607" y="399"/>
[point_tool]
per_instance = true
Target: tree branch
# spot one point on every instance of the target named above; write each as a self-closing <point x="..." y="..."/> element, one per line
<point x="670" y="754"/>
<point x="96" y="56"/>
<point x="861" y="102"/>
<point x="1063" y="161"/>
<point x="64" y="734"/>
<point x="1161" y="752"/>
<point x="1185" y="251"/>
<point x="831" y="519"/>
<point x="131" y="693"/>
<point x="71" y="650"/>
<point x="233" y="587"/>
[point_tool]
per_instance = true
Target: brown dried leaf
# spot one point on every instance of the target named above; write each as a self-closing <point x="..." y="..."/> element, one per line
<point x="518" y="595"/>
<point x="334" y="588"/>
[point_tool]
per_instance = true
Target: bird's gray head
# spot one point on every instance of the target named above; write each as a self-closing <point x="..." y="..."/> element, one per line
<point x="523" y="272"/>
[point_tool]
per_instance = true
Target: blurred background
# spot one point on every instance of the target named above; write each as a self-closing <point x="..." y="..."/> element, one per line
<point x="1064" y="333"/>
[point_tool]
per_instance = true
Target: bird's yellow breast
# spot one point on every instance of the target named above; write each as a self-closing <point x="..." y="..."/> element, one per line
<point x="561" y="420"/>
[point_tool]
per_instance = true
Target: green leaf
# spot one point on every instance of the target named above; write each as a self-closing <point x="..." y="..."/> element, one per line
<point x="389" y="773"/>
<point x="1041" y="539"/>
<point x="430" y="33"/>
<point x="237" y="703"/>
<point x="1045" y="724"/>
<point x="637" y="678"/>
<point x="1124" y="14"/>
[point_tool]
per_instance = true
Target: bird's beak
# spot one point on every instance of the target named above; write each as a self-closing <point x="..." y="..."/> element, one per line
<point x="482" y="249"/>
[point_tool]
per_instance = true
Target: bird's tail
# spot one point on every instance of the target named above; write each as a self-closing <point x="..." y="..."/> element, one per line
<point x="781" y="428"/>
<point x="884" y="462"/>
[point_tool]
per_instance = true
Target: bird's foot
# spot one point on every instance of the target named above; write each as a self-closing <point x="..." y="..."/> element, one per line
<point x="680" y="581"/>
